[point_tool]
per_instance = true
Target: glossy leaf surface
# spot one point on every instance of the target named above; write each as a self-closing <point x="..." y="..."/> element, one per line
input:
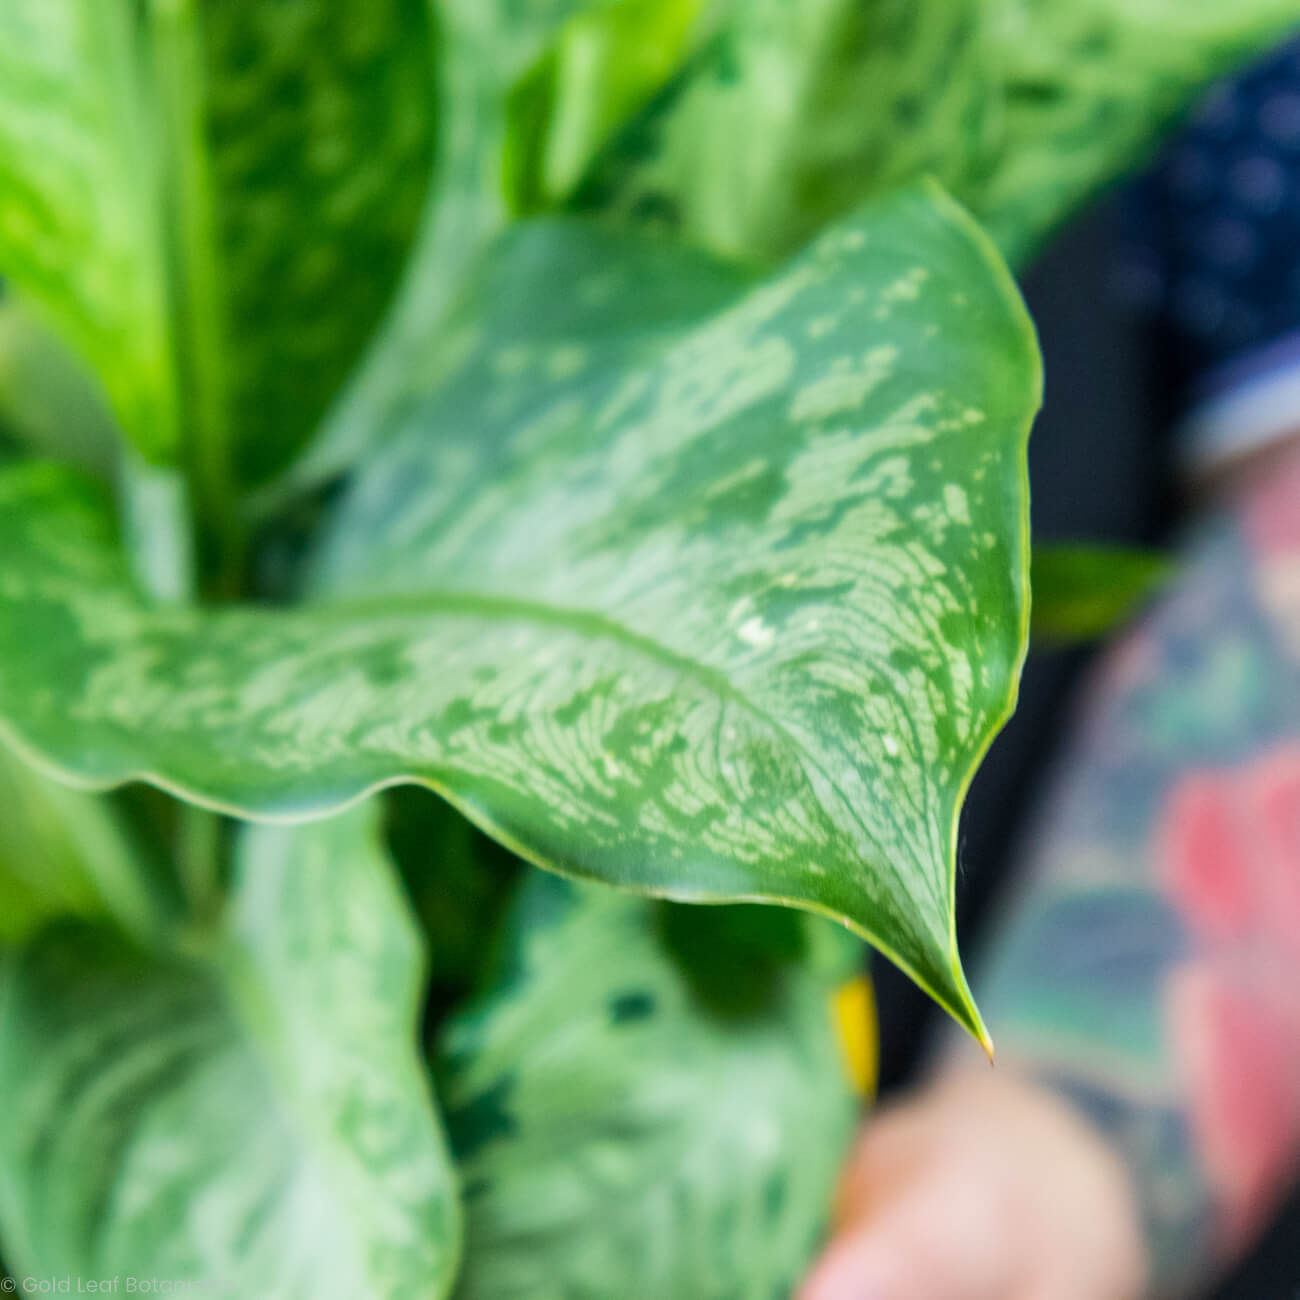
<point x="213" y="202"/>
<point x="722" y="610"/>
<point x="619" y="1136"/>
<point x="246" y="1112"/>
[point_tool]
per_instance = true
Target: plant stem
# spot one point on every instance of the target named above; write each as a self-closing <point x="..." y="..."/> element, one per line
<point x="196" y="300"/>
<point x="156" y="520"/>
<point x="158" y="524"/>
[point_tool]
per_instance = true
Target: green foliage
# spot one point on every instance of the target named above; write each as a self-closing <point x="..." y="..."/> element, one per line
<point x="789" y="114"/>
<point x="1087" y="88"/>
<point x="618" y="1136"/>
<point x="244" y="1106"/>
<point x="213" y="201"/>
<point x="460" y="884"/>
<point x="1084" y="591"/>
<point x="704" y="580"/>
<point x="718" y="560"/>
<point x="64" y="853"/>
<point x="486" y="47"/>
<point x="602" y="65"/>
<point x="792" y="113"/>
<point x="80" y="183"/>
<point x="48" y="403"/>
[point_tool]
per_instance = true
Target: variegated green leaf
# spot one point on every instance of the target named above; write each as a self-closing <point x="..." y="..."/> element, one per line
<point x="485" y="47"/>
<point x="793" y="112"/>
<point x="81" y="219"/>
<point x="67" y="853"/>
<point x="247" y="1112"/>
<point x="1088" y="87"/>
<point x="1024" y="108"/>
<point x="213" y="200"/>
<point x="619" y="1135"/>
<point x="603" y="65"/>
<point x="719" y="610"/>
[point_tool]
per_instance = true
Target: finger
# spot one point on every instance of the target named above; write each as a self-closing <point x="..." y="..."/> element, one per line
<point x="892" y="1147"/>
<point x="940" y="1240"/>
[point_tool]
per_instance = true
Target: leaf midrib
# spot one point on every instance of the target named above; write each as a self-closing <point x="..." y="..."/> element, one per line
<point x="588" y="623"/>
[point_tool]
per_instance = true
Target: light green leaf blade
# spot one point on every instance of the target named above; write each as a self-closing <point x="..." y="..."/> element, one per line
<point x="793" y="113"/>
<point x="1024" y="109"/>
<point x="1089" y="87"/>
<point x="729" y="611"/>
<point x="48" y="403"/>
<point x="603" y="66"/>
<point x="1084" y="591"/>
<point x="213" y="202"/>
<point x="64" y="853"/>
<point x="81" y="223"/>
<point x="485" y="47"/>
<point x="512" y="34"/>
<point x="619" y="1136"/>
<point x="249" y="1111"/>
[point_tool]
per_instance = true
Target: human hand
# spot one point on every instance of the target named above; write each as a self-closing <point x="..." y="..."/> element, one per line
<point x="982" y="1188"/>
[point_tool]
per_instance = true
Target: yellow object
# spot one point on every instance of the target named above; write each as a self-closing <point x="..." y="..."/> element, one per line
<point x="853" y="1011"/>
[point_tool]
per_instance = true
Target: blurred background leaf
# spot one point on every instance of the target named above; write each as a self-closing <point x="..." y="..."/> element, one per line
<point x="65" y="853"/>
<point x="82" y="228"/>
<point x="1085" y="591"/>
<point x="778" y="117"/>
<point x="49" y="404"/>
<point x="621" y="1135"/>
<point x="245" y="1109"/>
<point x="1088" y="89"/>
<point x="484" y="48"/>
<point x="603" y="64"/>
<point x="642" y="602"/>
<point x="213" y="202"/>
<point x="460" y="883"/>
<point x="788" y="115"/>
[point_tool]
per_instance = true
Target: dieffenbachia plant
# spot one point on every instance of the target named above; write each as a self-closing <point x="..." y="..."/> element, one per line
<point x="330" y="462"/>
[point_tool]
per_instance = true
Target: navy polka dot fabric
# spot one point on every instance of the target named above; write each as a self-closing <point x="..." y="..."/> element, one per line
<point x="1217" y="223"/>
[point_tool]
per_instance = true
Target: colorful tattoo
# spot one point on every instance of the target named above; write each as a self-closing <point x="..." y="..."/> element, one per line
<point x="1151" y="965"/>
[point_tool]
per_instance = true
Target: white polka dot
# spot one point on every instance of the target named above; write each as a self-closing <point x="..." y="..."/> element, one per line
<point x="1279" y="117"/>
<point x="1138" y="282"/>
<point x="1258" y="182"/>
<point x="1229" y="244"/>
<point x="1191" y="174"/>
<point x="1199" y="305"/>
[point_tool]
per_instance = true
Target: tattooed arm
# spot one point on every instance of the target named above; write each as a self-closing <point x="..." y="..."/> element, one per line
<point x="1148" y="972"/>
<point x="1151" y="966"/>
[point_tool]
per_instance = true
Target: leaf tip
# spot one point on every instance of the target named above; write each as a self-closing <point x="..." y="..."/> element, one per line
<point x="963" y="1009"/>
